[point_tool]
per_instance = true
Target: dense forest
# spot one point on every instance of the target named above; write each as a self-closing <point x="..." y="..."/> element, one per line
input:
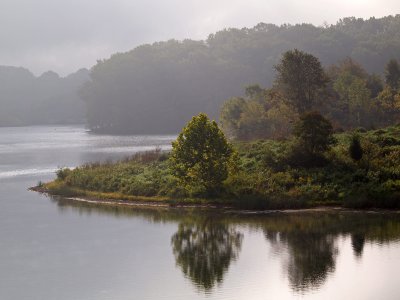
<point x="345" y="93"/>
<point x="157" y="88"/>
<point x="48" y="99"/>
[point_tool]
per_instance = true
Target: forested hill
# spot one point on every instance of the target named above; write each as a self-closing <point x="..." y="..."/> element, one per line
<point x="48" y="99"/>
<point x="157" y="88"/>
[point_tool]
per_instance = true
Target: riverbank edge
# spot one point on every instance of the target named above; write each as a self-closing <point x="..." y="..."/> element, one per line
<point x="109" y="199"/>
<point x="117" y="199"/>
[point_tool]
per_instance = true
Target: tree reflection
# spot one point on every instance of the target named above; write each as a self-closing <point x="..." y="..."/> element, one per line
<point x="358" y="242"/>
<point x="311" y="258"/>
<point x="204" y="250"/>
<point x="310" y="244"/>
<point x="206" y="241"/>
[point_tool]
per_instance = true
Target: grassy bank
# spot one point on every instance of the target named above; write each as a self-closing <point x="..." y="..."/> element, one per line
<point x="270" y="175"/>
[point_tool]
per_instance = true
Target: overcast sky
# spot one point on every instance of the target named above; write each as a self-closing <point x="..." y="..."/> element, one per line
<point x="66" y="35"/>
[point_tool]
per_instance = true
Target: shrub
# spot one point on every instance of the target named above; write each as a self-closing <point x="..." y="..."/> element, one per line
<point x="63" y="173"/>
<point x="298" y="156"/>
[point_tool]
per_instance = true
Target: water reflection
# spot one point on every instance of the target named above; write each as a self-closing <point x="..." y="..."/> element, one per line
<point x="311" y="240"/>
<point x="358" y="242"/>
<point x="307" y="244"/>
<point x="204" y="249"/>
<point x="204" y="245"/>
<point x="311" y="258"/>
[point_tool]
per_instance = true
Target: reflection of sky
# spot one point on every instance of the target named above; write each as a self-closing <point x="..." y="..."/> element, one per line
<point x="42" y="150"/>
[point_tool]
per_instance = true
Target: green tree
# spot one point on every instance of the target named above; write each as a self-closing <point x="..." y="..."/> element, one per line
<point x="374" y="84"/>
<point x="301" y="78"/>
<point x="355" y="149"/>
<point x="360" y="104"/>
<point x="231" y="112"/>
<point x="201" y="156"/>
<point x="256" y="93"/>
<point x="314" y="132"/>
<point x="262" y="114"/>
<point x="389" y="102"/>
<point x="392" y="74"/>
<point x="253" y="122"/>
<point x="354" y="98"/>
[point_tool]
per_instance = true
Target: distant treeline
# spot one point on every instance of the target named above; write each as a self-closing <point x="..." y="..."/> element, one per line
<point x="157" y="88"/>
<point x="48" y="99"/>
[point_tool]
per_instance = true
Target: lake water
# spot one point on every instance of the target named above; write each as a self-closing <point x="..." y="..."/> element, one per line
<point x="58" y="249"/>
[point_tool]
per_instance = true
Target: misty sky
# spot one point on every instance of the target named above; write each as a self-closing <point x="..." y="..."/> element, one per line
<point x="66" y="35"/>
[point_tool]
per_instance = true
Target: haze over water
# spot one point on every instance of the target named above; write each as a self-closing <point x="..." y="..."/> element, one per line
<point x="58" y="249"/>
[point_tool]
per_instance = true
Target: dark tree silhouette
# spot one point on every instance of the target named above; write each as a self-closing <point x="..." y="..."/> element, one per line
<point x="355" y="149"/>
<point x="314" y="132"/>
<point x="358" y="242"/>
<point x="301" y="78"/>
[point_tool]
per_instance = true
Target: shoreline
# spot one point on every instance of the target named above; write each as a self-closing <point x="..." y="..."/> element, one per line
<point x="141" y="202"/>
<point x="134" y="201"/>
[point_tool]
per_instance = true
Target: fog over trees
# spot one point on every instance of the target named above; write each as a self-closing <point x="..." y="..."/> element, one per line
<point x="157" y="88"/>
<point x="47" y="99"/>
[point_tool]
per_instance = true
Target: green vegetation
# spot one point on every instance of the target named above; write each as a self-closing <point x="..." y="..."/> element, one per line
<point x="392" y="74"/>
<point x="269" y="174"/>
<point x="344" y="93"/>
<point x="291" y="159"/>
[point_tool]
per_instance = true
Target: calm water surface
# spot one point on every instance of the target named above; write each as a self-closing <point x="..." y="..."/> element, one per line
<point x="58" y="249"/>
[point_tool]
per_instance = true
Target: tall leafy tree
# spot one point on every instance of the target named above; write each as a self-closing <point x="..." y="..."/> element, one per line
<point x="350" y="83"/>
<point x="301" y="78"/>
<point x="201" y="155"/>
<point x="360" y="103"/>
<point x="374" y="84"/>
<point x="255" y="93"/>
<point x="253" y="122"/>
<point x="230" y="115"/>
<point x="389" y="102"/>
